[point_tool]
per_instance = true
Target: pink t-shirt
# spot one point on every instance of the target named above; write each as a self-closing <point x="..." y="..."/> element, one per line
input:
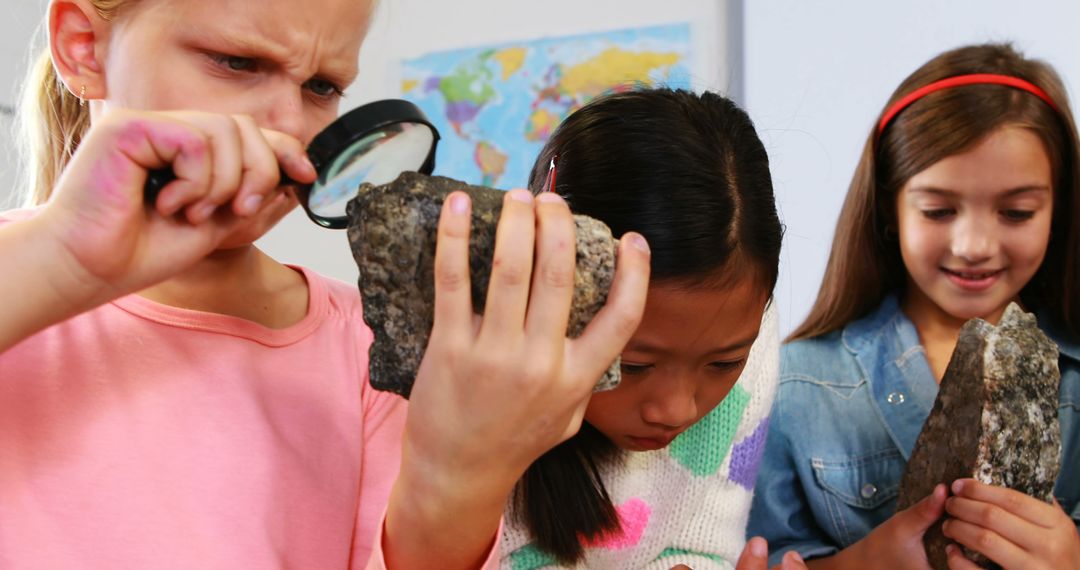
<point x="139" y="435"/>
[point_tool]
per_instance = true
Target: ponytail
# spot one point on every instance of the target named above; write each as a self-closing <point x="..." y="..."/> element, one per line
<point x="51" y="123"/>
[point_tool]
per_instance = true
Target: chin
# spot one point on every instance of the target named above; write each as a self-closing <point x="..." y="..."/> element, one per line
<point x="981" y="308"/>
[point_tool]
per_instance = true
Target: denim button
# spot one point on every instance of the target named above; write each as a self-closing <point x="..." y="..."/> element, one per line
<point x="896" y="398"/>
<point x="868" y="491"/>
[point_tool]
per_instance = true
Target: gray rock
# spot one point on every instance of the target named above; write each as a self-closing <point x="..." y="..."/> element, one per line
<point x="994" y="420"/>
<point x="392" y="231"/>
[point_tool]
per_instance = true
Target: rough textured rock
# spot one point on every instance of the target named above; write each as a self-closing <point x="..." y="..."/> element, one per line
<point x="994" y="420"/>
<point x="392" y="231"/>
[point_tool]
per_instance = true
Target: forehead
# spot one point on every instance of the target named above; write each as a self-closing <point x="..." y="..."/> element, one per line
<point x="313" y="29"/>
<point x="702" y="319"/>
<point x="1009" y="158"/>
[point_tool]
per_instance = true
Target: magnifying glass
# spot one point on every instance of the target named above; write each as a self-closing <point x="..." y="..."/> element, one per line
<point x="373" y="143"/>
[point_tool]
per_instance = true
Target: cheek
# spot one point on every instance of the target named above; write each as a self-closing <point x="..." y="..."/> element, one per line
<point x="1029" y="246"/>
<point x="612" y="408"/>
<point x="920" y="243"/>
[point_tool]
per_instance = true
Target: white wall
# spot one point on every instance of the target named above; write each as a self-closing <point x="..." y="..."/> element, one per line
<point x="18" y="23"/>
<point x="408" y="28"/>
<point x="818" y="73"/>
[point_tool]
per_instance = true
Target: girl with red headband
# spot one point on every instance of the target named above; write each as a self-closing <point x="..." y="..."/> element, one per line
<point x="964" y="200"/>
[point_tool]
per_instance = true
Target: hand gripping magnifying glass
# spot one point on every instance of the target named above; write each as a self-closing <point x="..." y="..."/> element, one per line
<point x="373" y="143"/>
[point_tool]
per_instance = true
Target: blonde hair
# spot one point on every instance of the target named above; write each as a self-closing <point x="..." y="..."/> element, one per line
<point x="51" y="119"/>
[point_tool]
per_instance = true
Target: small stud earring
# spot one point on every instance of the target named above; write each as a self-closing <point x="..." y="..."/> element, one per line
<point x="82" y="96"/>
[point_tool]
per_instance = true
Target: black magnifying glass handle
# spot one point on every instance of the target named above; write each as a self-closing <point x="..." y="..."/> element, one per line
<point x="161" y="177"/>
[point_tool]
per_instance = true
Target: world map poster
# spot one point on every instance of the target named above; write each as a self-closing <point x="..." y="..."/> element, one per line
<point x="495" y="106"/>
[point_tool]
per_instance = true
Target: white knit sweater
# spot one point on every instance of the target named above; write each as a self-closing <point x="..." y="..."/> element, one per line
<point x="688" y="503"/>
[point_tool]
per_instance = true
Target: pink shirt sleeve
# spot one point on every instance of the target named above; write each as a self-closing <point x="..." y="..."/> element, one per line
<point x="384" y="426"/>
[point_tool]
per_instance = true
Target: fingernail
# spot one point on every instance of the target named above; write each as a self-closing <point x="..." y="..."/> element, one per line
<point x="950" y="549"/>
<point x="549" y="197"/>
<point x="638" y="241"/>
<point x="521" y="196"/>
<point x="251" y="203"/>
<point x="796" y="556"/>
<point x="957" y="486"/>
<point x="459" y="203"/>
<point x="308" y="165"/>
<point x="758" y="548"/>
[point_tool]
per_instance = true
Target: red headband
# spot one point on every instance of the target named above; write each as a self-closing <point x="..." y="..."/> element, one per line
<point x="957" y="81"/>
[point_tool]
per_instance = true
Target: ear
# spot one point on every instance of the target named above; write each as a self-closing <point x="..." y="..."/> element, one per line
<point x="76" y="33"/>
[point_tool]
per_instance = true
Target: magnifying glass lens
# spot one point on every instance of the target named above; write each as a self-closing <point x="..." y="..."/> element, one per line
<point x="377" y="158"/>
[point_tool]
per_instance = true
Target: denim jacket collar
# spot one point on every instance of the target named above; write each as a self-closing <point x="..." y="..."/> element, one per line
<point x="893" y="362"/>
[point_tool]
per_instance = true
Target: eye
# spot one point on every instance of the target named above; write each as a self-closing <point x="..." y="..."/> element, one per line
<point x="938" y="213"/>
<point x="634" y="369"/>
<point x="1018" y="215"/>
<point x="727" y="365"/>
<point x="234" y="62"/>
<point x="323" y="88"/>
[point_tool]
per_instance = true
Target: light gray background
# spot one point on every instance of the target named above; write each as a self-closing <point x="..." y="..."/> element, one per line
<point x="813" y="75"/>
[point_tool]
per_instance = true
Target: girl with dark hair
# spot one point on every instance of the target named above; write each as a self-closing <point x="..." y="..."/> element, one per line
<point x="965" y="200"/>
<point x="663" y="468"/>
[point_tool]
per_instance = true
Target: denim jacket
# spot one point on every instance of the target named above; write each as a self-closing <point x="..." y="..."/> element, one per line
<point x="846" y="416"/>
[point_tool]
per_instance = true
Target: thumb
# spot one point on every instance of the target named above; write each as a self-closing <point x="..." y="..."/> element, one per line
<point x="917" y="518"/>
<point x="755" y="555"/>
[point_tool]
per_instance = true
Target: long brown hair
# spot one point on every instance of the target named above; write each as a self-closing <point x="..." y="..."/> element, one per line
<point x="865" y="264"/>
<point x="52" y="120"/>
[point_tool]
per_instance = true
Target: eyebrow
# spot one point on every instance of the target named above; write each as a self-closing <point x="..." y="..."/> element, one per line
<point x="262" y="48"/>
<point x="646" y="347"/>
<point x="950" y="193"/>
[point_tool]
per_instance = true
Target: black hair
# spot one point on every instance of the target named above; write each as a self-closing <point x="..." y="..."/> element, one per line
<point x="688" y="172"/>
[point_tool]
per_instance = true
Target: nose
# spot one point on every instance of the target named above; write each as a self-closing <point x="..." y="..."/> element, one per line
<point x="672" y="405"/>
<point x="283" y="111"/>
<point x="974" y="239"/>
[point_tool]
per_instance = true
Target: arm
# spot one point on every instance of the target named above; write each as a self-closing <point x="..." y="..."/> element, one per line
<point x="96" y="240"/>
<point x="42" y="280"/>
<point x="494" y="394"/>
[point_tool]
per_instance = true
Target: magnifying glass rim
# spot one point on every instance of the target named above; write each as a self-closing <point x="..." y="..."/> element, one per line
<point x="352" y="127"/>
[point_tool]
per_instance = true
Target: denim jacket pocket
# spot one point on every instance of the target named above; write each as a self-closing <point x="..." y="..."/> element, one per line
<point x="858" y="491"/>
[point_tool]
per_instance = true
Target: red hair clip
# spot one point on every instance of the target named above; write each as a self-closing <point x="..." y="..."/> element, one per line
<point x="549" y="182"/>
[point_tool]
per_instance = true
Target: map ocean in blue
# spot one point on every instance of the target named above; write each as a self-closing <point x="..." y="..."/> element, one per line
<point x="505" y="106"/>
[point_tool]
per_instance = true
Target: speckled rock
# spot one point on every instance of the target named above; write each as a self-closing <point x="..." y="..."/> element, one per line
<point x="392" y="231"/>
<point x="994" y="420"/>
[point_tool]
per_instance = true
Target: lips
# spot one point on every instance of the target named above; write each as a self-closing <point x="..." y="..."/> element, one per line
<point x="652" y="443"/>
<point x="973" y="279"/>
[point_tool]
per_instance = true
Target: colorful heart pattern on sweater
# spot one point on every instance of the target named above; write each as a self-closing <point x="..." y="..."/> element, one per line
<point x="634" y="517"/>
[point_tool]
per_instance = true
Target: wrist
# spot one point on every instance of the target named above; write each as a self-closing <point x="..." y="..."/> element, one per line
<point x="439" y="518"/>
<point x="436" y="490"/>
<point x="71" y="287"/>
